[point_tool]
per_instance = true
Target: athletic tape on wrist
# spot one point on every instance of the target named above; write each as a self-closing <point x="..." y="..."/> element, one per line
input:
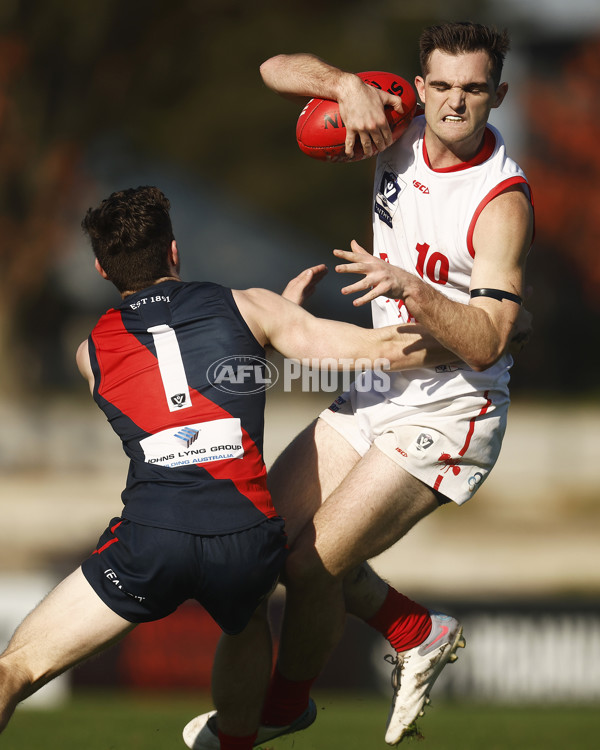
<point x="496" y="294"/>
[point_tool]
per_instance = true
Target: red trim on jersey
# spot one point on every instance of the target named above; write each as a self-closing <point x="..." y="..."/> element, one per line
<point x="484" y="153"/>
<point x="104" y="546"/>
<point x="501" y="187"/>
<point x="130" y="380"/>
<point x="116" y="526"/>
<point x="454" y="462"/>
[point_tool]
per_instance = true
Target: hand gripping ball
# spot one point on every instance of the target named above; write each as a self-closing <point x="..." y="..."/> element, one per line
<point x="321" y="134"/>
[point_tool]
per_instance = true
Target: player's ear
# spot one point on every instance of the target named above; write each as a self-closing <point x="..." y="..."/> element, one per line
<point x="100" y="270"/>
<point x="420" y="86"/>
<point x="174" y="255"/>
<point x="501" y="92"/>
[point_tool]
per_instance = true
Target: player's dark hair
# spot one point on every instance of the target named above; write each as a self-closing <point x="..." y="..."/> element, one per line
<point x="131" y="234"/>
<point x="464" y="36"/>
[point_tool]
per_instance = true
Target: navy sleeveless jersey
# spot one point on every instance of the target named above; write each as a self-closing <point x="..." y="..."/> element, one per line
<point x="195" y="450"/>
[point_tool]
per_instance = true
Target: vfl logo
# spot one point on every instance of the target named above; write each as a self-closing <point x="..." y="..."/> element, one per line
<point x="423" y="442"/>
<point x="389" y="190"/>
<point x="386" y="200"/>
<point x="179" y="400"/>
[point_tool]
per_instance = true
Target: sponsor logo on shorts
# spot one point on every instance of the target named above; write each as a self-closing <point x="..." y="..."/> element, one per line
<point x="474" y="481"/>
<point x="402" y="452"/>
<point x="450" y="463"/>
<point x="337" y="404"/>
<point x="114" y="578"/>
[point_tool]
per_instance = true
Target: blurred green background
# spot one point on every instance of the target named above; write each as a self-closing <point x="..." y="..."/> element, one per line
<point x="95" y="97"/>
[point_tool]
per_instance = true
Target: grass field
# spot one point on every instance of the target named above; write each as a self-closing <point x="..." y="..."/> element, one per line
<point x="111" y="721"/>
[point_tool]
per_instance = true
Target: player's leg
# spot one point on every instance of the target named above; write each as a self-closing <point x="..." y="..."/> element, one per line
<point x="360" y="519"/>
<point x="69" y="625"/>
<point x="330" y="458"/>
<point x="239" y="715"/>
<point x="307" y="472"/>
<point x="374" y="506"/>
<point x="302" y="476"/>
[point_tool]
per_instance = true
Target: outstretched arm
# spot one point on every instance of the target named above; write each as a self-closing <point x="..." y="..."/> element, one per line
<point x="303" y="76"/>
<point x="299" y="335"/>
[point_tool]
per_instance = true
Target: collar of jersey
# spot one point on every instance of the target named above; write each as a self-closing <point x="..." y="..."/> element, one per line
<point x="486" y="150"/>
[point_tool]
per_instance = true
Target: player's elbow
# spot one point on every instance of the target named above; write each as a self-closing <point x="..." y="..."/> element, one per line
<point x="480" y="366"/>
<point x="484" y="358"/>
<point x="271" y="71"/>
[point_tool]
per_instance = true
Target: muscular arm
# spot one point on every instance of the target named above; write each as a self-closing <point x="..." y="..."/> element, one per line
<point x="299" y="335"/>
<point x="479" y="332"/>
<point x="303" y="76"/>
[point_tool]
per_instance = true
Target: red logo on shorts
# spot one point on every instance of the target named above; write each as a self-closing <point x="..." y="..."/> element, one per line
<point x="450" y="463"/>
<point x="402" y="453"/>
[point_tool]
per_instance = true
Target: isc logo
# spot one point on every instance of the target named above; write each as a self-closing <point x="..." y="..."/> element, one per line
<point x="421" y="187"/>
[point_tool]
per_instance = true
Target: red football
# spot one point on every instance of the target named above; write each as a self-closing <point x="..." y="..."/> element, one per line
<point x="321" y="133"/>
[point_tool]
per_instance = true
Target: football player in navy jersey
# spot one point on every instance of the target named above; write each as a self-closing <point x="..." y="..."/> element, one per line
<point x="197" y="521"/>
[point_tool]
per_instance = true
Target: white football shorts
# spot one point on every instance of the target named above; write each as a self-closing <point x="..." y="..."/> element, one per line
<point x="450" y="446"/>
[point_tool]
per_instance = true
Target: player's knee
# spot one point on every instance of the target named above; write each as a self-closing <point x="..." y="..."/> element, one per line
<point x="260" y="616"/>
<point x="305" y="569"/>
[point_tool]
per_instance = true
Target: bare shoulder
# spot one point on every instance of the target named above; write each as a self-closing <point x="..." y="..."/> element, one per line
<point x="506" y="222"/>
<point x="512" y="204"/>
<point x="255" y="299"/>
<point x="83" y="358"/>
<point x="83" y="363"/>
<point x="258" y="307"/>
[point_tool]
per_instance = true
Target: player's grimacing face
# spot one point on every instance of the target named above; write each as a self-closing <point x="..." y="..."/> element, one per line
<point x="458" y="93"/>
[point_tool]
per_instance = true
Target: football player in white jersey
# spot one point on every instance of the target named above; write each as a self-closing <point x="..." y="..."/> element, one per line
<point x="453" y="223"/>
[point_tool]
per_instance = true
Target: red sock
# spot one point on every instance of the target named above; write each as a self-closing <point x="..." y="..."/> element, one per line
<point x="403" y="622"/>
<point x="227" y="742"/>
<point x="286" y="700"/>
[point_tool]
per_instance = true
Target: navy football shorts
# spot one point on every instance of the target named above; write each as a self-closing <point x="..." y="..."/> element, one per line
<point x="144" y="573"/>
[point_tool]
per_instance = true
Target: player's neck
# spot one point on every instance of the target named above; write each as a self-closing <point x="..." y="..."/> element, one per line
<point x="446" y="156"/>
<point x="175" y="277"/>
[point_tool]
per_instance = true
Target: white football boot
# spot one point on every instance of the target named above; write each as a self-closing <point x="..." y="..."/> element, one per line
<point x="201" y="732"/>
<point x="416" y="670"/>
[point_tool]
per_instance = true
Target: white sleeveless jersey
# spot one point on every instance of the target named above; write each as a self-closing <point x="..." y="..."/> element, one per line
<point x="423" y="221"/>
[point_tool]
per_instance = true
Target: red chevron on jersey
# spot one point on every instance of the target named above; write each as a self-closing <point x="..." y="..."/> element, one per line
<point x="130" y="380"/>
<point x="196" y="462"/>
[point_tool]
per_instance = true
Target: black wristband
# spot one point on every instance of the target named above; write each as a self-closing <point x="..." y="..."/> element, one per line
<point x="496" y="294"/>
